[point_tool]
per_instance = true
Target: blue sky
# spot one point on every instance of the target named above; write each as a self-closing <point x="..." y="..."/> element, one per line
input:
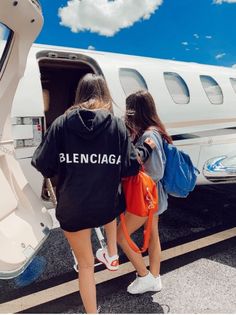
<point x="188" y="30"/>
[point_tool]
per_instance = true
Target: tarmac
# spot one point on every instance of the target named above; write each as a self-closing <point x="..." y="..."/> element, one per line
<point x="197" y="277"/>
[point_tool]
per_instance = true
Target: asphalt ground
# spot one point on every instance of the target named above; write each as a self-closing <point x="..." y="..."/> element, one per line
<point x="192" y="284"/>
<point x="202" y="281"/>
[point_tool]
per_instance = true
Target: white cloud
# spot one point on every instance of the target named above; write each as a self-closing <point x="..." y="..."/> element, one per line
<point x="105" y="17"/>
<point x="208" y="37"/>
<point x="185" y="43"/>
<point x="221" y="1"/>
<point x="219" y="56"/>
<point x="196" y="35"/>
<point x="234" y="66"/>
<point x="91" y="47"/>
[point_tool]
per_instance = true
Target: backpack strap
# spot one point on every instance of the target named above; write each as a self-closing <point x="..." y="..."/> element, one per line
<point x="146" y="233"/>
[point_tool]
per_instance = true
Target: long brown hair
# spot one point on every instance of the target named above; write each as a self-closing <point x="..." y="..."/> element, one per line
<point x="92" y="93"/>
<point x="141" y="114"/>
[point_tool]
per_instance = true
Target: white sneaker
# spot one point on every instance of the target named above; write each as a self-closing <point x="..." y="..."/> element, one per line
<point x="112" y="263"/>
<point x="144" y="284"/>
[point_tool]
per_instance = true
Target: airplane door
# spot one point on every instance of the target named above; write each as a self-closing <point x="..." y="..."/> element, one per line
<point x="24" y="222"/>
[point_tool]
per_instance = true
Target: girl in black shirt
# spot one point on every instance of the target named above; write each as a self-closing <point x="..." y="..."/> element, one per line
<point x="90" y="151"/>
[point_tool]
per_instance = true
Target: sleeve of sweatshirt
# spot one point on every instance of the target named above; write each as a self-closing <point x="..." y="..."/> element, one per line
<point x="131" y="155"/>
<point x="144" y="151"/>
<point x="129" y="158"/>
<point x="155" y="165"/>
<point x="129" y="162"/>
<point x="46" y="156"/>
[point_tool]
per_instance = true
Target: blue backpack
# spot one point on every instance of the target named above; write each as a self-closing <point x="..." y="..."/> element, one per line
<point x="180" y="175"/>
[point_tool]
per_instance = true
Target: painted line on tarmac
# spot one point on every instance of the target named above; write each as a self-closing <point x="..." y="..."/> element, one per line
<point x="50" y="294"/>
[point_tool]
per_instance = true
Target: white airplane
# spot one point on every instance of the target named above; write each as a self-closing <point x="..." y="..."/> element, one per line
<point x="196" y="102"/>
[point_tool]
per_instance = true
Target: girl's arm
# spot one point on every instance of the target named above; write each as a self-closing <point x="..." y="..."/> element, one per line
<point x="145" y="150"/>
<point x="155" y="165"/>
<point x="133" y="157"/>
<point x="129" y="158"/>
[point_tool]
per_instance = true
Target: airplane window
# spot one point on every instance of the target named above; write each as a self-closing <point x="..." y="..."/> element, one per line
<point x="177" y="88"/>
<point x="131" y="81"/>
<point x="212" y="89"/>
<point x="5" y="37"/>
<point x="233" y="83"/>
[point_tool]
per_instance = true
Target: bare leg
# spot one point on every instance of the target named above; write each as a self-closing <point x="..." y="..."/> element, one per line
<point x="133" y="223"/>
<point x="111" y="233"/>
<point x="154" y="249"/>
<point x="81" y="244"/>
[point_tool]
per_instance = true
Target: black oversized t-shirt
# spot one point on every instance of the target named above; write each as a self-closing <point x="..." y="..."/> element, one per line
<point x="90" y="151"/>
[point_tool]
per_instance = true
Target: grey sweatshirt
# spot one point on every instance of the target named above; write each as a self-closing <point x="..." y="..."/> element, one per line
<point x="155" y="166"/>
